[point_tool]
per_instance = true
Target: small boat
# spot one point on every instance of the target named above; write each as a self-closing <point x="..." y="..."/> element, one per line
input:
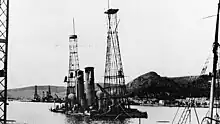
<point x="163" y="122"/>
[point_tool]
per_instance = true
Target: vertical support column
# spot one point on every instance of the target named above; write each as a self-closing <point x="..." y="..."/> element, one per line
<point x="36" y="97"/>
<point x="89" y="85"/>
<point x="80" y="84"/>
<point x="73" y="67"/>
<point x="49" y="91"/>
<point x="35" y="91"/>
<point x="73" y="61"/>
<point x="215" y="62"/>
<point x="4" y="20"/>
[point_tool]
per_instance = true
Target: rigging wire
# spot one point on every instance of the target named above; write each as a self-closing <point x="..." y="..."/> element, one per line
<point x="216" y="120"/>
<point x="186" y="114"/>
<point x="197" y="117"/>
<point x="208" y="16"/>
<point x="175" y="114"/>
<point x="206" y="65"/>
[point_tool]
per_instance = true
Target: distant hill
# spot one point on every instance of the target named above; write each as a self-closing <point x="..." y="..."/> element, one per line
<point x="28" y="92"/>
<point x="149" y="85"/>
<point x="194" y="85"/>
<point x="153" y="85"/>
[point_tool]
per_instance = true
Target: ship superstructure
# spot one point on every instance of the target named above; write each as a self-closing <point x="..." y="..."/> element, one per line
<point x="111" y="100"/>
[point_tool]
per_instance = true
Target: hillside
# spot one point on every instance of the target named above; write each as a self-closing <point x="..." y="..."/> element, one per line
<point x="153" y="85"/>
<point x="194" y="85"/>
<point x="149" y="85"/>
<point x="28" y="92"/>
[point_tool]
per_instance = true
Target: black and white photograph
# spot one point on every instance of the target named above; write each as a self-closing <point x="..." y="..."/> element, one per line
<point x="109" y="62"/>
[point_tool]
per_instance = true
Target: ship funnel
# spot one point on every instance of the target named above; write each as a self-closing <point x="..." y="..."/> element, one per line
<point x="89" y="85"/>
<point x="80" y="88"/>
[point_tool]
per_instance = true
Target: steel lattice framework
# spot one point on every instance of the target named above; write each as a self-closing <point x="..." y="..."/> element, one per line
<point x="114" y="74"/>
<point x="4" y="18"/>
<point x="73" y="62"/>
<point x="73" y="66"/>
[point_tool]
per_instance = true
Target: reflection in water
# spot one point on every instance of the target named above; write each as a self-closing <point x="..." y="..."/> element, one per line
<point x="87" y="120"/>
<point x="38" y="113"/>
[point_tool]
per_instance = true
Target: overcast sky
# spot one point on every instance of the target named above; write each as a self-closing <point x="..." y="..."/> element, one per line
<point x="166" y="36"/>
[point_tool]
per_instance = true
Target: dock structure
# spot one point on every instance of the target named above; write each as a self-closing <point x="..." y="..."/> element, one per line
<point x="4" y="20"/>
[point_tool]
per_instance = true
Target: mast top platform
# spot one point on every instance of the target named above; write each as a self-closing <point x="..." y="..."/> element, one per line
<point x="111" y="11"/>
<point x="73" y="36"/>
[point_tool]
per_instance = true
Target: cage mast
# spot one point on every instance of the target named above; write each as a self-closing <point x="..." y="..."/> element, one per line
<point x="73" y="63"/>
<point x="114" y="81"/>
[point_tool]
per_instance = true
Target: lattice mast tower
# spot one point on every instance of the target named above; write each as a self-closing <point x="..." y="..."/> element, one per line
<point x="73" y="62"/>
<point x="114" y="74"/>
<point x="4" y="20"/>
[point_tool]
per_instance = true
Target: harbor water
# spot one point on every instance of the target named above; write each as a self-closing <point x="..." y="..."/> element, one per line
<point x="38" y="113"/>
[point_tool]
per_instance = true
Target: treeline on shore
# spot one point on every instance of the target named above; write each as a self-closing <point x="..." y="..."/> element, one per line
<point x="152" y="85"/>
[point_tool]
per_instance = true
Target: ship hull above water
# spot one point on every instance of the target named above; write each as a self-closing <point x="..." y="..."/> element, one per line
<point x="131" y="113"/>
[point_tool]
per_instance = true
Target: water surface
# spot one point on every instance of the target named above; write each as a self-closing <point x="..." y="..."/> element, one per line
<point x="38" y="113"/>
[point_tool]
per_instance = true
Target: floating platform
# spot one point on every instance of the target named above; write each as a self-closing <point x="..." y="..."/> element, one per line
<point x="122" y="115"/>
<point x="129" y="113"/>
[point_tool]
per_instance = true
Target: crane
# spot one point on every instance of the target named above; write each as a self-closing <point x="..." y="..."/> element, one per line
<point x="4" y="23"/>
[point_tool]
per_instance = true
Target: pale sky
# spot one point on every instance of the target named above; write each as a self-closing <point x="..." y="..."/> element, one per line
<point x="166" y="36"/>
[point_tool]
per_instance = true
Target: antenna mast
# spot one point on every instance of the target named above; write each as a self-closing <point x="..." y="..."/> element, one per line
<point x="73" y="27"/>
<point x="215" y="62"/>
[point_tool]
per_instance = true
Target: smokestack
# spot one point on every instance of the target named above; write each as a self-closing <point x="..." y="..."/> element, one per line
<point x="35" y="91"/>
<point x="89" y="85"/>
<point x="49" y="91"/>
<point x="80" y="84"/>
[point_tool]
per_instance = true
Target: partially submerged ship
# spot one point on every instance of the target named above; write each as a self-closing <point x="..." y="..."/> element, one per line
<point x="111" y="100"/>
<point x="97" y="104"/>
